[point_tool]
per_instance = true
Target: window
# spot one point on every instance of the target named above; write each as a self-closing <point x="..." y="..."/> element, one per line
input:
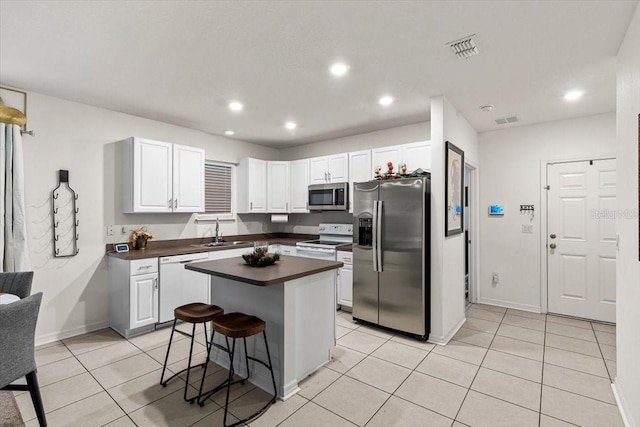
<point x="218" y="190"/>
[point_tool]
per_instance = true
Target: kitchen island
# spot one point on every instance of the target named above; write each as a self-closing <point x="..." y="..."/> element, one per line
<point x="296" y="298"/>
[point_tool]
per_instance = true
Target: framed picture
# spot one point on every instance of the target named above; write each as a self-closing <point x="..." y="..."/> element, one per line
<point x="453" y="191"/>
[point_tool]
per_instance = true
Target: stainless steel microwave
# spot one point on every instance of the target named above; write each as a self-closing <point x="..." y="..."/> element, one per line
<point x="329" y="197"/>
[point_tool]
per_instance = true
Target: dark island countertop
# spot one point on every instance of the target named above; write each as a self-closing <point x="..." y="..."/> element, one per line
<point x="287" y="268"/>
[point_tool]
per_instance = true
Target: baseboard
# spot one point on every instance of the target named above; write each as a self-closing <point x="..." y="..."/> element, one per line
<point x="509" y="304"/>
<point x="57" y="336"/>
<point x="444" y="339"/>
<point x="622" y="406"/>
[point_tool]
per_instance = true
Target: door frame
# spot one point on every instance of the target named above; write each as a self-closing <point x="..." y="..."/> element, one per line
<point x="474" y="224"/>
<point x="544" y="222"/>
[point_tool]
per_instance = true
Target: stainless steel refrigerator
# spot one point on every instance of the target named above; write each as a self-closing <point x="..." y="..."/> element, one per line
<point x="391" y="254"/>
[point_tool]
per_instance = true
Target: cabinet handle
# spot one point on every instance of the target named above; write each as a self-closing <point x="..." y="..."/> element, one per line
<point x="287" y="208"/>
<point x="175" y="203"/>
<point x="325" y="176"/>
<point x="329" y="173"/>
<point x="250" y="206"/>
<point x="156" y="282"/>
<point x="170" y="202"/>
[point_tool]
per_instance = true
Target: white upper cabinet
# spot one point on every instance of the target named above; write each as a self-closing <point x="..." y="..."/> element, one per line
<point x="162" y="177"/>
<point x="299" y="183"/>
<point x="333" y="168"/>
<point x="383" y="155"/>
<point x="360" y="170"/>
<point x="278" y="191"/>
<point x="252" y="186"/>
<point x="417" y="155"/>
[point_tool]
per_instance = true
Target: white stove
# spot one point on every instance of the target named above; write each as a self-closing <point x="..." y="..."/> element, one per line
<point x="331" y="237"/>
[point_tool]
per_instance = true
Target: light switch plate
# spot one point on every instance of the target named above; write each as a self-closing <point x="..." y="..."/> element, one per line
<point x="527" y="228"/>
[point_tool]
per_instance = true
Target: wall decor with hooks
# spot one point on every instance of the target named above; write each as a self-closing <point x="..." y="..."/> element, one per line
<point x="65" y="218"/>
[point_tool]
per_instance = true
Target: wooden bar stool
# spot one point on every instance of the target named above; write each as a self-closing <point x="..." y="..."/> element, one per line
<point x="239" y="325"/>
<point x="193" y="313"/>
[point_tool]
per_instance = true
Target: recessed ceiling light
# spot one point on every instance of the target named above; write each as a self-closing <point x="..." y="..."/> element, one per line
<point x="291" y="125"/>
<point x="573" y="95"/>
<point x="487" y="108"/>
<point x="229" y="132"/>
<point x="386" y="100"/>
<point x="339" y="69"/>
<point x="235" y="106"/>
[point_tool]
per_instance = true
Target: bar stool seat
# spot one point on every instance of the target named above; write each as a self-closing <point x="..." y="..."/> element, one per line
<point x="239" y="325"/>
<point x="194" y="313"/>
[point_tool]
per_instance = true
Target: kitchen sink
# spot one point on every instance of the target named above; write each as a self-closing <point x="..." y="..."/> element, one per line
<point x="219" y="244"/>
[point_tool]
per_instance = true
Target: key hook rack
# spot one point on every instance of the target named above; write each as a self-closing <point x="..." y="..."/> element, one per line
<point x="65" y="221"/>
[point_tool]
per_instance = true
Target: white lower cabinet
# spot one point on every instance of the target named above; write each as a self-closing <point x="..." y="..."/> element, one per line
<point x="345" y="279"/>
<point x="288" y="250"/>
<point x="133" y="295"/>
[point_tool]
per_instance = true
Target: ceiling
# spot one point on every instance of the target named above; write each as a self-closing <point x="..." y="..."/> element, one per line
<point x="182" y="62"/>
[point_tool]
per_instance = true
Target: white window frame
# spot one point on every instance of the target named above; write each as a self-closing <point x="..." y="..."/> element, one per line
<point x="228" y="216"/>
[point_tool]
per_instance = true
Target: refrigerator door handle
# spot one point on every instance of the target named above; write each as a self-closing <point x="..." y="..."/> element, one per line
<point x="374" y="236"/>
<point x="379" y="237"/>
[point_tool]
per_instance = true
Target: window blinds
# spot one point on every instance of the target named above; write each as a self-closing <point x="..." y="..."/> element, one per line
<point x="217" y="183"/>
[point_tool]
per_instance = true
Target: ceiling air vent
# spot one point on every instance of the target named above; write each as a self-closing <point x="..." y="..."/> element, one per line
<point x="465" y="47"/>
<point x="505" y="120"/>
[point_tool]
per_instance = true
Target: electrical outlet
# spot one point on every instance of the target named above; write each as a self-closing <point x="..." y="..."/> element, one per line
<point x="125" y="230"/>
<point x="109" y="230"/>
<point x="527" y="228"/>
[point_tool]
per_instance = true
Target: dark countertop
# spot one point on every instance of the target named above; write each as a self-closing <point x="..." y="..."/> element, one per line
<point x="160" y="248"/>
<point x="287" y="268"/>
<point x="346" y="248"/>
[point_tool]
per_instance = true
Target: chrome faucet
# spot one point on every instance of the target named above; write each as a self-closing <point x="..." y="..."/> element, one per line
<point x="217" y="229"/>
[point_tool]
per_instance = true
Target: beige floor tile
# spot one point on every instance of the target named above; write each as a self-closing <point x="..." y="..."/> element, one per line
<point x="52" y="353"/>
<point x="584" y="324"/>
<point x="571" y="331"/>
<point x="278" y="412"/>
<point x="479" y="410"/>
<point x="92" y="341"/>
<point x="462" y="351"/>
<point x="603" y="327"/>
<point x="612" y="367"/>
<point x="579" y="362"/>
<point x="250" y="403"/>
<point x="352" y="400"/>
<point x="481" y="325"/>
<point x="579" y="410"/>
<point x="97" y="358"/>
<point x="359" y="341"/>
<point x="172" y="411"/>
<point x="379" y="373"/>
<point x="432" y="393"/>
<point x="399" y="412"/>
<point x="343" y="359"/>
<point x="513" y="365"/>
<point x="196" y="374"/>
<point x="125" y="370"/>
<point x="179" y="351"/>
<point x="96" y="410"/>
<point x="547" y="421"/>
<point x="60" y="370"/>
<point x="400" y="354"/>
<point x="579" y="383"/>
<point x="237" y="390"/>
<point x="518" y="348"/>
<point x="479" y="313"/>
<point x="457" y="424"/>
<point x="346" y="321"/>
<point x="311" y="386"/>
<point x="342" y="331"/>
<point x="524" y="322"/>
<point x="523" y="334"/>
<point x="413" y="342"/>
<point x="490" y="307"/>
<point x="448" y="369"/>
<point x="470" y="336"/>
<point x="606" y="338"/>
<point x="216" y="419"/>
<point x="312" y="415"/>
<point x="608" y="352"/>
<point x="372" y="330"/>
<point x="146" y="342"/>
<point x="60" y="394"/>
<point x="121" y="422"/>
<point x="509" y="388"/>
<point x="143" y="390"/>
<point x="527" y="314"/>
<point x="588" y="348"/>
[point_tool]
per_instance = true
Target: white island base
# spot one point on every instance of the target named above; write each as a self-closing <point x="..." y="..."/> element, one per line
<point x="300" y="326"/>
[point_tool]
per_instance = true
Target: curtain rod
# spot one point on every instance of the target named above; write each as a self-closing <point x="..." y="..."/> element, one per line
<point x="22" y="131"/>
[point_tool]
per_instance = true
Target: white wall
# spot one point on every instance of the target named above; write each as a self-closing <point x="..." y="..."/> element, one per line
<point x="447" y="253"/>
<point x="511" y="176"/>
<point x="627" y="382"/>
<point x="81" y="138"/>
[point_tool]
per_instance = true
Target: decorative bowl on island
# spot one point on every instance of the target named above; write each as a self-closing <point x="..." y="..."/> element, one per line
<point x="260" y="258"/>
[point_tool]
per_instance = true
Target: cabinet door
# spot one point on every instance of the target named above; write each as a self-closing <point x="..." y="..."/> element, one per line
<point x="143" y="299"/>
<point x="278" y="190"/>
<point x="257" y="185"/>
<point x="417" y="155"/>
<point x="318" y="170"/>
<point x="345" y="287"/>
<point x="288" y="250"/>
<point x="188" y="179"/>
<point x="338" y="167"/>
<point x="359" y="170"/>
<point x="299" y="183"/>
<point x="152" y="176"/>
<point x="382" y="156"/>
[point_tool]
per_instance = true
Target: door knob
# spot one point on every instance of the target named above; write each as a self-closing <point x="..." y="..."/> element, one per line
<point x="553" y="236"/>
<point x="552" y="246"/>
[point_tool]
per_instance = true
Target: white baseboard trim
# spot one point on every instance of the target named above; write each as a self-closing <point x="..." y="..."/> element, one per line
<point x="56" y="336"/>
<point x="622" y="406"/>
<point x="509" y="304"/>
<point x="444" y="339"/>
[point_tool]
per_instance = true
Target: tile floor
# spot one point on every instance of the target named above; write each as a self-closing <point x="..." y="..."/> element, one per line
<point x="503" y="368"/>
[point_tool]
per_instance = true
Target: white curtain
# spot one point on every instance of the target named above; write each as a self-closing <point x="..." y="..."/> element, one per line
<point x="13" y="241"/>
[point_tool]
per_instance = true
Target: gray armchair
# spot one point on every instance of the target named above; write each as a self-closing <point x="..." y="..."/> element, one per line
<point x="17" y="334"/>
<point x="18" y="283"/>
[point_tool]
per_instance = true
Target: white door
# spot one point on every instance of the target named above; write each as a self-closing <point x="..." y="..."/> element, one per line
<point x="338" y="167"/>
<point x="581" y="241"/>
<point x="152" y="176"/>
<point x="143" y="294"/>
<point x="417" y="155"/>
<point x="318" y="170"/>
<point x="278" y="190"/>
<point x="299" y="184"/>
<point x="188" y="179"/>
<point x="360" y="170"/>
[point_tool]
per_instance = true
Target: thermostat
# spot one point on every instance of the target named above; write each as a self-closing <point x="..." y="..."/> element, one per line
<point x="121" y="247"/>
<point x="496" y="210"/>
